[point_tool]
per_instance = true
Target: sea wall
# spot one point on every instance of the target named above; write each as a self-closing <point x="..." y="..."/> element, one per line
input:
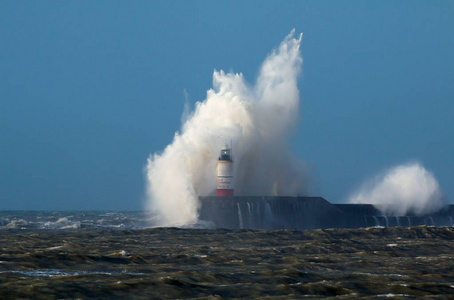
<point x="366" y="215"/>
<point x="299" y="213"/>
<point x="270" y="212"/>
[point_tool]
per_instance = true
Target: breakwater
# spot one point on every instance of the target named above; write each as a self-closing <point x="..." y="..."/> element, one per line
<point x="299" y="213"/>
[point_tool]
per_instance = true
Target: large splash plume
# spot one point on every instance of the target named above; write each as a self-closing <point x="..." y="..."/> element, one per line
<point x="401" y="190"/>
<point x="258" y="119"/>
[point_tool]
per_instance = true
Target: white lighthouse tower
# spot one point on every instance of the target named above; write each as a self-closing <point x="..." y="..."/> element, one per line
<point x="225" y="173"/>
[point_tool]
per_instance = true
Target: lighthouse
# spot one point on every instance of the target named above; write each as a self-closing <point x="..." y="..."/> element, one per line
<point x="225" y="173"/>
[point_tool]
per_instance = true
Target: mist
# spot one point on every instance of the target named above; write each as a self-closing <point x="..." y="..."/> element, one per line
<point x="401" y="190"/>
<point x="258" y="118"/>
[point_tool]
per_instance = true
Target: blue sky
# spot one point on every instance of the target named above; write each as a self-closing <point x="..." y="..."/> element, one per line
<point x="88" y="89"/>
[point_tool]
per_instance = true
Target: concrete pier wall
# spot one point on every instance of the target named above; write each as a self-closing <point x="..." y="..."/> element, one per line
<point x="270" y="212"/>
<point x="299" y="213"/>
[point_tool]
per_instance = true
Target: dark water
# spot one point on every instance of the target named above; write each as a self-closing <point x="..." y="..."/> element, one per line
<point x="121" y="259"/>
<point x="73" y="220"/>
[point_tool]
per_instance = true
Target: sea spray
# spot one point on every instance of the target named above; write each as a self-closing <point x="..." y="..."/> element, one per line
<point x="401" y="190"/>
<point x="258" y="119"/>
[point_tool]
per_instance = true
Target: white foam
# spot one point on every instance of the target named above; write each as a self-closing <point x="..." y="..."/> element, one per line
<point x="407" y="188"/>
<point x="257" y="118"/>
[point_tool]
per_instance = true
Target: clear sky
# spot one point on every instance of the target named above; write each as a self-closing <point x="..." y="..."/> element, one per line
<point x="88" y="89"/>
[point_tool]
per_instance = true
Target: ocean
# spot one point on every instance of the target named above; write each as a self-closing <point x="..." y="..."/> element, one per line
<point x="115" y="255"/>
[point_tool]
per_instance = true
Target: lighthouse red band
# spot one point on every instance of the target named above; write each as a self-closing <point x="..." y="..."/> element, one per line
<point x="225" y="174"/>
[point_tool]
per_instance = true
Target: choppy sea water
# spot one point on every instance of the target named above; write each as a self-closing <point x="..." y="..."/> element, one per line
<point x="55" y="255"/>
<point x="74" y="220"/>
